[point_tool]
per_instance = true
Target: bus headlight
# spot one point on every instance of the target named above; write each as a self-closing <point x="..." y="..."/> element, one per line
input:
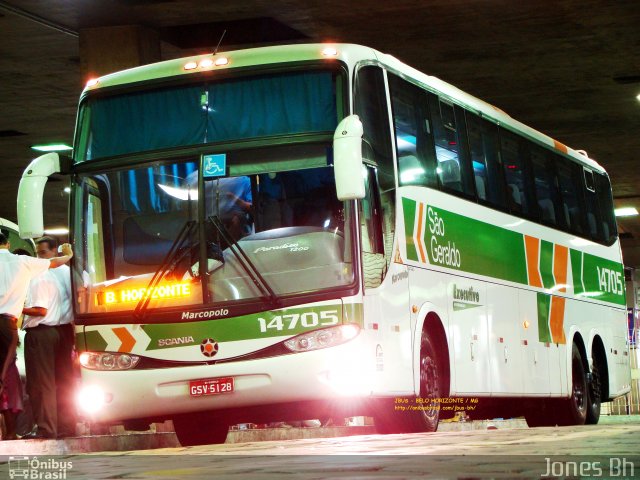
<point x="108" y="360"/>
<point x="326" y="337"/>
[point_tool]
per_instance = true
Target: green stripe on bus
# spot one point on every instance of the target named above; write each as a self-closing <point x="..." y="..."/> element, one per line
<point x="546" y="264"/>
<point x="94" y="341"/>
<point x="409" y="209"/>
<point x="544" y="307"/>
<point x="285" y="322"/>
<point x="576" y="271"/>
<point x="481" y="248"/>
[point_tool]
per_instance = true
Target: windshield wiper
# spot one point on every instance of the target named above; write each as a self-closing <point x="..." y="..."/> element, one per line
<point x="168" y="261"/>
<point x="245" y="261"/>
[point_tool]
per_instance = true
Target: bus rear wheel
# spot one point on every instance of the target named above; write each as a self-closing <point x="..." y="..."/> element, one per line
<point x="573" y="411"/>
<point x="200" y="429"/>
<point x="595" y="393"/>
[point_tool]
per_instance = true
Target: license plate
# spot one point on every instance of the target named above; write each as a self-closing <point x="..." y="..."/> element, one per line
<point x="210" y="386"/>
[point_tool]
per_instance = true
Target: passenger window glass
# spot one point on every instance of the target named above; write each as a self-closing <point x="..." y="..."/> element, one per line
<point x="483" y="146"/>
<point x="544" y="187"/>
<point x="414" y="142"/>
<point x="594" y="225"/>
<point x="605" y="202"/>
<point x="371" y="107"/>
<point x="571" y="192"/>
<point x="449" y="165"/>
<point x="514" y="166"/>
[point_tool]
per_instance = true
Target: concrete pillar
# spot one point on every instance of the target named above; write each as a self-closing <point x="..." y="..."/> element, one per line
<point x="106" y="50"/>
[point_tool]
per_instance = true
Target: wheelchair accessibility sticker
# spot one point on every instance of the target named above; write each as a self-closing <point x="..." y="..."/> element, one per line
<point x="214" y="165"/>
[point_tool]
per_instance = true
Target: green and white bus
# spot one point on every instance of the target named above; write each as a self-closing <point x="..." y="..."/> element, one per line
<point x="309" y="231"/>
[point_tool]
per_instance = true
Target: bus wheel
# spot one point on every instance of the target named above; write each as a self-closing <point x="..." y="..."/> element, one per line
<point x="199" y="429"/>
<point x="595" y="394"/>
<point x="431" y="390"/>
<point x="401" y="417"/>
<point x="573" y="411"/>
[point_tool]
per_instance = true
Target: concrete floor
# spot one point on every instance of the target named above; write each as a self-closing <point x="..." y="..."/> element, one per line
<point x="608" y="450"/>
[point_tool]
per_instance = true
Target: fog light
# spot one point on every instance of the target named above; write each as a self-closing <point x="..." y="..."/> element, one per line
<point x="92" y="398"/>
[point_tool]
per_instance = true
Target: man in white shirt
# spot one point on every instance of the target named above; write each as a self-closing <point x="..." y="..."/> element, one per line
<point x="16" y="271"/>
<point x="49" y="344"/>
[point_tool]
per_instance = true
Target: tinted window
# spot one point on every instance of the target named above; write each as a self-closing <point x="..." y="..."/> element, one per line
<point x="483" y="149"/>
<point x="414" y="143"/>
<point x="605" y="202"/>
<point x="569" y="181"/>
<point x="371" y="106"/>
<point x="449" y="136"/>
<point x="515" y="174"/>
<point x="545" y="187"/>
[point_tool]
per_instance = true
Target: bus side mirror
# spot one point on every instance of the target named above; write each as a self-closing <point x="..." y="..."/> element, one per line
<point x="347" y="159"/>
<point x="31" y="191"/>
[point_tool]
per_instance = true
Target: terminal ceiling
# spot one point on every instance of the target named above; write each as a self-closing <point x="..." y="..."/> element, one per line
<point x="570" y="69"/>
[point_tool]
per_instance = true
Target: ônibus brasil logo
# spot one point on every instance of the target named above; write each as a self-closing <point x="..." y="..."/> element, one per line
<point x="38" y="469"/>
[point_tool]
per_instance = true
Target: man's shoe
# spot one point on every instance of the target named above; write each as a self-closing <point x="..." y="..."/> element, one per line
<point x="37" y="436"/>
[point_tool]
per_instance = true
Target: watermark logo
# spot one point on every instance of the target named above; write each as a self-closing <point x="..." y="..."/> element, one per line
<point x="38" y="469"/>
<point x="614" y="468"/>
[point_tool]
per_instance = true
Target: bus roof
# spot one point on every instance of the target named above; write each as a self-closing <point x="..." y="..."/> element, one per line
<point x="350" y="54"/>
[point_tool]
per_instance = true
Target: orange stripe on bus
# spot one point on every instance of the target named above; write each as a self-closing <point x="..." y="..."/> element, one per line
<point x="560" y="262"/>
<point x="532" y="249"/>
<point x="556" y="322"/>
<point x="422" y="256"/>
<point x="560" y="146"/>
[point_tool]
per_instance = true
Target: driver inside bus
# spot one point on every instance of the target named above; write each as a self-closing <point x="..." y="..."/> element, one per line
<point x="229" y="198"/>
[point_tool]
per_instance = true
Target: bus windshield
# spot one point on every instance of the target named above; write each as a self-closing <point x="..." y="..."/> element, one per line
<point x="264" y="105"/>
<point x="277" y="205"/>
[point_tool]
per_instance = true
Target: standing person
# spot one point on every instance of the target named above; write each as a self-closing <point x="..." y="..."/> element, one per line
<point x="46" y="247"/>
<point x="15" y="273"/>
<point x="48" y="348"/>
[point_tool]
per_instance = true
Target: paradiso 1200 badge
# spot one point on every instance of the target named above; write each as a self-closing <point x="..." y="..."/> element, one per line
<point x="209" y="347"/>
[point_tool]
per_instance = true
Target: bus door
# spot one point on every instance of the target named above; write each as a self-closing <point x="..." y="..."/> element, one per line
<point x="386" y="290"/>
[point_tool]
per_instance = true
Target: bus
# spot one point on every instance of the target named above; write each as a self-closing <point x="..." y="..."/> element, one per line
<point x="314" y="230"/>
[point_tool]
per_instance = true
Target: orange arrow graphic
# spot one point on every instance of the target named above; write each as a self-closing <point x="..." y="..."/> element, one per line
<point x="126" y="338"/>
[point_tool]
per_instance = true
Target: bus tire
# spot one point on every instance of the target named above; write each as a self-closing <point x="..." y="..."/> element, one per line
<point x="594" y="401"/>
<point x="200" y="429"/>
<point x="425" y="417"/>
<point x="573" y="411"/>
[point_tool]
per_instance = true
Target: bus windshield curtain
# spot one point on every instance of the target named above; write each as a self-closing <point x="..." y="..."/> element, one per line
<point x="271" y="105"/>
<point x="138" y="122"/>
<point x="276" y="104"/>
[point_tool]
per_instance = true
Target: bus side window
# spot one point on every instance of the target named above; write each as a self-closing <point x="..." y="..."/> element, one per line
<point x="449" y="133"/>
<point x="594" y="225"/>
<point x="371" y="107"/>
<point x="515" y="168"/>
<point x="605" y="202"/>
<point x="483" y="149"/>
<point x="569" y="181"/>
<point x="545" y="188"/>
<point x="414" y="140"/>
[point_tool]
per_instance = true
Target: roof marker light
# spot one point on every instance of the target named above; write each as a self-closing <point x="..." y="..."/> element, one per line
<point x="190" y="66"/>
<point x="222" y="61"/>
<point x="206" y="63"/>
<point x="92" y="82"/>
<point x="329" y="52"/>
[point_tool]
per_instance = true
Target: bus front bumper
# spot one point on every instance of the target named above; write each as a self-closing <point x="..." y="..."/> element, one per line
<point x="343" y="371"/>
